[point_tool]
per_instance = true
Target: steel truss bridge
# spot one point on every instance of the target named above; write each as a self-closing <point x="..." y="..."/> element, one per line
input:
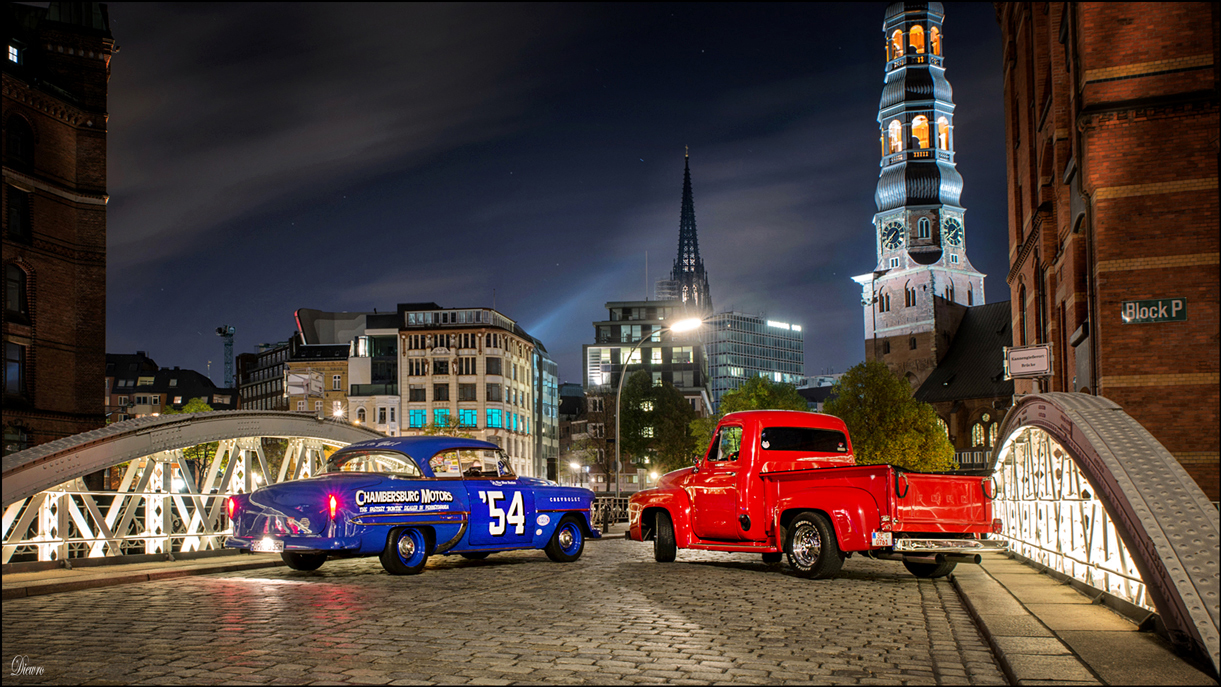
<point x="1082" y="488"/>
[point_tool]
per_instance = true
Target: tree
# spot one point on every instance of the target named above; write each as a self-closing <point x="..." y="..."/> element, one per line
<point x="656" y="423"/>
<point x="758" y="393"/>
<point x="887" y="425"/>
<point x="196" y="456"/>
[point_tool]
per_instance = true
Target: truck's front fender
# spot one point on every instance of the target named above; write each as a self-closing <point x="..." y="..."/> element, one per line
<point x="853" y="513"/>
<point x="644" y="505"/>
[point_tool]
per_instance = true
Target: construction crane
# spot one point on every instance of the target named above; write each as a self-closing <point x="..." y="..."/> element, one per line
<point x="226" y="332"/>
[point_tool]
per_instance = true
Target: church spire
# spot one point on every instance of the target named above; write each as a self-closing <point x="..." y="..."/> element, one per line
<point x="688" y="273"/>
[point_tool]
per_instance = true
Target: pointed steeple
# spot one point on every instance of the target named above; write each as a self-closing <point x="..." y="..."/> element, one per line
<point x="691" y="283"/>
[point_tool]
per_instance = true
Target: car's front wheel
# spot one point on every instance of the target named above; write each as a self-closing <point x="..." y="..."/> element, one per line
<point x="812" y="548"/>
<point x="665" y="549"/>
<point x="303" y="561"/>
<point x="406" y="551"/>
<point x="567" y="543"/>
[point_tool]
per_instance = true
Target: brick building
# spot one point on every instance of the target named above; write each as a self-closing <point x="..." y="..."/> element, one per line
<point x="55" y="84"/>
<point x="1112" y="138"/>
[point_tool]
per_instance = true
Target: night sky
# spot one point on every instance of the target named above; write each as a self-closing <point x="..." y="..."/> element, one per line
<point x="264" y="158"/>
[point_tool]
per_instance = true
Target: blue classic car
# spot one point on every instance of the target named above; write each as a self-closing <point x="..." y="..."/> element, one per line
<point x="407" y="498"/>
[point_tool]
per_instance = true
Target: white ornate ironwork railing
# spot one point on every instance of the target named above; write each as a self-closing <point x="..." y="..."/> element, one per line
<point x="157" y="509"/>
<point x="1053" y="517"/>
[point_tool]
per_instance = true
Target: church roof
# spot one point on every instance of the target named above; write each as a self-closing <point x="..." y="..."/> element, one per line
<point x="974" y="367"/>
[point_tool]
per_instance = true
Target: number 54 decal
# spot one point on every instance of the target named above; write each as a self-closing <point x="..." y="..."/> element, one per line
<point x="501" y="520"/>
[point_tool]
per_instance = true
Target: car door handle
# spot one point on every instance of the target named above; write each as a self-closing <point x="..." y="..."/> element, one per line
<point x="731" y="473"/>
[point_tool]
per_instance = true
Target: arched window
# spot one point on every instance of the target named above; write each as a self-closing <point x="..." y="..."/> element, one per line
<point x="920" y="130"/>
<point x="884" y="302"/>
<point x="896" y="135"/>
<point x="944" y="427"/>
<point x="934" y="39"/>
<point x="909" y="295"/>
<point x="916" y="36"/>
<point x="943" y="133"/>
<point x="993" y="430"/>
<point x="896" y="44"/>
<point x="949" y="292"/>
<point x="911" y="343"/>
<point x="977" y="434"/>
<point x="923" y="228"/>
<point x="360" y="415"/>
<point x="14" y="290"/>
<point x="1022" y="314"/>
<point x="970" y="294"/>
<point x="19" y="146"/>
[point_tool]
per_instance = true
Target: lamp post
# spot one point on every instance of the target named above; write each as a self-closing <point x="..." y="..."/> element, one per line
<point x="680" y="326"/>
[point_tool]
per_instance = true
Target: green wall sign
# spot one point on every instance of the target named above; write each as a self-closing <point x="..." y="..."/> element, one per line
<point x="1157" y="310"/>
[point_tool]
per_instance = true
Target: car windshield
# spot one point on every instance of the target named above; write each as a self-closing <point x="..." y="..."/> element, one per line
<point x="471" y="464"/>
<point x="373" y="461"/>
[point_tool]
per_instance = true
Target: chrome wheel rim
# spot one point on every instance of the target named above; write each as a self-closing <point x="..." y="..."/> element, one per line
<point x="406" y="546"/>
<point x="566" y="539"/>
<point x="807" y="545"/>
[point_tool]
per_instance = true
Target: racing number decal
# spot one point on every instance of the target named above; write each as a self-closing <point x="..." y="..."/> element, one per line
<point x="515" y="517"/>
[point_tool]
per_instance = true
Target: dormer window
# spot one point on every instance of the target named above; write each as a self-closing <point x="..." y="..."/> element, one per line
<point x="917" y="39"/>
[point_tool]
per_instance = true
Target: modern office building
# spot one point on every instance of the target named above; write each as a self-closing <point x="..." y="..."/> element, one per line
<point x="260" y="377"/>
<point x="54" y="127"/>
<point x="677" y="358"/>
<point x="741" y="346"/>
<point x="546" y="375"/>
<point x="1111" y="121"/>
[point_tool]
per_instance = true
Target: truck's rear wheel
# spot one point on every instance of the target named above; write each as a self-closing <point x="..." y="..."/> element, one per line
<point x="812" y="548"/>
<point x="665" y="550"/>
<point x="929" y="570"/>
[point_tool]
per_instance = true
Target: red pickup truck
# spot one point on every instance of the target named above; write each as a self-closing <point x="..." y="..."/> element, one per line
<point x="780" y="482"/>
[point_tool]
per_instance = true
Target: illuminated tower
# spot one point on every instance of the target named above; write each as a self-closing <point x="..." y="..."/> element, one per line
<point x="912" y="300"/>
<point x="688" y="282"/>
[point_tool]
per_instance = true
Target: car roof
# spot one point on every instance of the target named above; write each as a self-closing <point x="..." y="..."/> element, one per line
<point x="423" y="447"/>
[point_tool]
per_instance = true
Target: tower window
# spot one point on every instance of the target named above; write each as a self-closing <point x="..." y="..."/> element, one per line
<point x="954" y="258"/>
<point x="943" y="133"/>
<point x="922" y="227"/>
<point x="934" y="39"/>
<point x="911" y="343"/>
<point x="920" y="131"/>
<point x="917" y="39"/>
<point x="896" y="44"/>
<point x="884" y="302"/>
<point x="896" y="135"/>
<point x="894" y="263"/>
<point x="885" y="347"/>
<point x="909" y="295"/>
<point x="970" y="293"/>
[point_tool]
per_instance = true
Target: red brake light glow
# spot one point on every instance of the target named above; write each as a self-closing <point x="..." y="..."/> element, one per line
<point x="334" y="505"/>
<point x="232" y="507"/>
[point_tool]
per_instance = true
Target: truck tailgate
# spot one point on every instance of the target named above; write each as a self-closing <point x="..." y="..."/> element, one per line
<point x="941" y="503"/>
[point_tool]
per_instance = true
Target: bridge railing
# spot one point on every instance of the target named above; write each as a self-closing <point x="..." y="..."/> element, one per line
<point x="607" y="510"/>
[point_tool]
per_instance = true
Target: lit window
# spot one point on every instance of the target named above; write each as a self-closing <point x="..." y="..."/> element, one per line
<point x="934" y="39"/>
<point x="415" y="417"/>
<point x="440" y="417"/>
<point x="917" y="39"/>
<point x="920" y="130"/>
<point x="977" y="434"/>
<point x="14" y="369"/>
<point x="647" y="432"/>
<point x="468" y="417"/>
<point x="896" y="44"/>
<point x="943" y="133"/>
<point x="646" y="406"/>
<point x="895" y="131"/>
<point x="360" y="414"/>
<point x="993" y="431"/>
<point x="12" y="53"/>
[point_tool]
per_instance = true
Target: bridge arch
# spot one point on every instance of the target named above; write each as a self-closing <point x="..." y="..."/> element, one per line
<point x="1086" y="490"/>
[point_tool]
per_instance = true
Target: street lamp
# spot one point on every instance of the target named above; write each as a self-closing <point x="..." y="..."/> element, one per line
<point x="576" y="472"/>
<point x="679" y="327"/>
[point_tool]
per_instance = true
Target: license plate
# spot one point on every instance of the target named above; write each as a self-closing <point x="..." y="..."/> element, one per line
<point x="883" y="539"/>
<point x="267" y="546"/>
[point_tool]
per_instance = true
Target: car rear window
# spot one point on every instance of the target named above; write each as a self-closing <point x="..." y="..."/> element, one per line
<point x="803" y="439"/>
<point x="374" y="461"/>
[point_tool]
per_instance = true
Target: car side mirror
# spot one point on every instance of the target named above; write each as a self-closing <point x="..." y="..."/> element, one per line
<point x="695" y="462"/>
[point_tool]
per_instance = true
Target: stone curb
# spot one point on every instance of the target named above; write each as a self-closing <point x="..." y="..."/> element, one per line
<point x="1027" y="651"/>
<point x="109" y="580"/>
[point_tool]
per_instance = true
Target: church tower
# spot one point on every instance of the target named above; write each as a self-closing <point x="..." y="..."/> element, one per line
<point x="688" y="282"/>
<point x="915" y="297"/>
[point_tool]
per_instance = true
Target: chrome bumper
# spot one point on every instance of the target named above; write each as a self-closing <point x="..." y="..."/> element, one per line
<point x="951" y="546"/>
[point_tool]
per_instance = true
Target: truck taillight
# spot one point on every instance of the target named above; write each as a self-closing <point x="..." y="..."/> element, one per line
<point x="334" y="505"/>
<point x="997" y="526"/>
<point x="232" y="507"/>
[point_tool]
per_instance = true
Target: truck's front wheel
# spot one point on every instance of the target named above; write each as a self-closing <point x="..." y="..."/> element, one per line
<point x="812" y="548"/>
<point x="665" y="550"/>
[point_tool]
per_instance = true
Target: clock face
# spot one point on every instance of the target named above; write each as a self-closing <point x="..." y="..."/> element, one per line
<point x="953" y="232"/>
<point x="892" y="235"/>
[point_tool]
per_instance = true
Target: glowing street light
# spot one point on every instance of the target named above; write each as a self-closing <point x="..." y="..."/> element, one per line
<point x="679" y="327"/>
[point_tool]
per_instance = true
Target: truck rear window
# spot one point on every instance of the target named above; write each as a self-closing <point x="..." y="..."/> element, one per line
<point x="803" y="439"/>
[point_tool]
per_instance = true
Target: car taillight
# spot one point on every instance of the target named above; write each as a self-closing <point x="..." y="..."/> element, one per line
<point x="997" y="526"/>
<point x="232" y="507"/>
<point x="334" y="505"/>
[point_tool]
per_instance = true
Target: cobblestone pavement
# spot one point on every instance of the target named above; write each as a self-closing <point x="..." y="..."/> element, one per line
<point x="613" y="617"/>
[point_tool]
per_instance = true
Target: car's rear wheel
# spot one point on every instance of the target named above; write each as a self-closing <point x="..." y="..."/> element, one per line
<point x="475" y="555"/>
<point x="406" y="551"/>
<point x="812" y="548"/>
<point x="929" y="570"/>
<point x="568" y="541"/>
<point x="303" y="561"/>
<point x="665" y="549"/>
